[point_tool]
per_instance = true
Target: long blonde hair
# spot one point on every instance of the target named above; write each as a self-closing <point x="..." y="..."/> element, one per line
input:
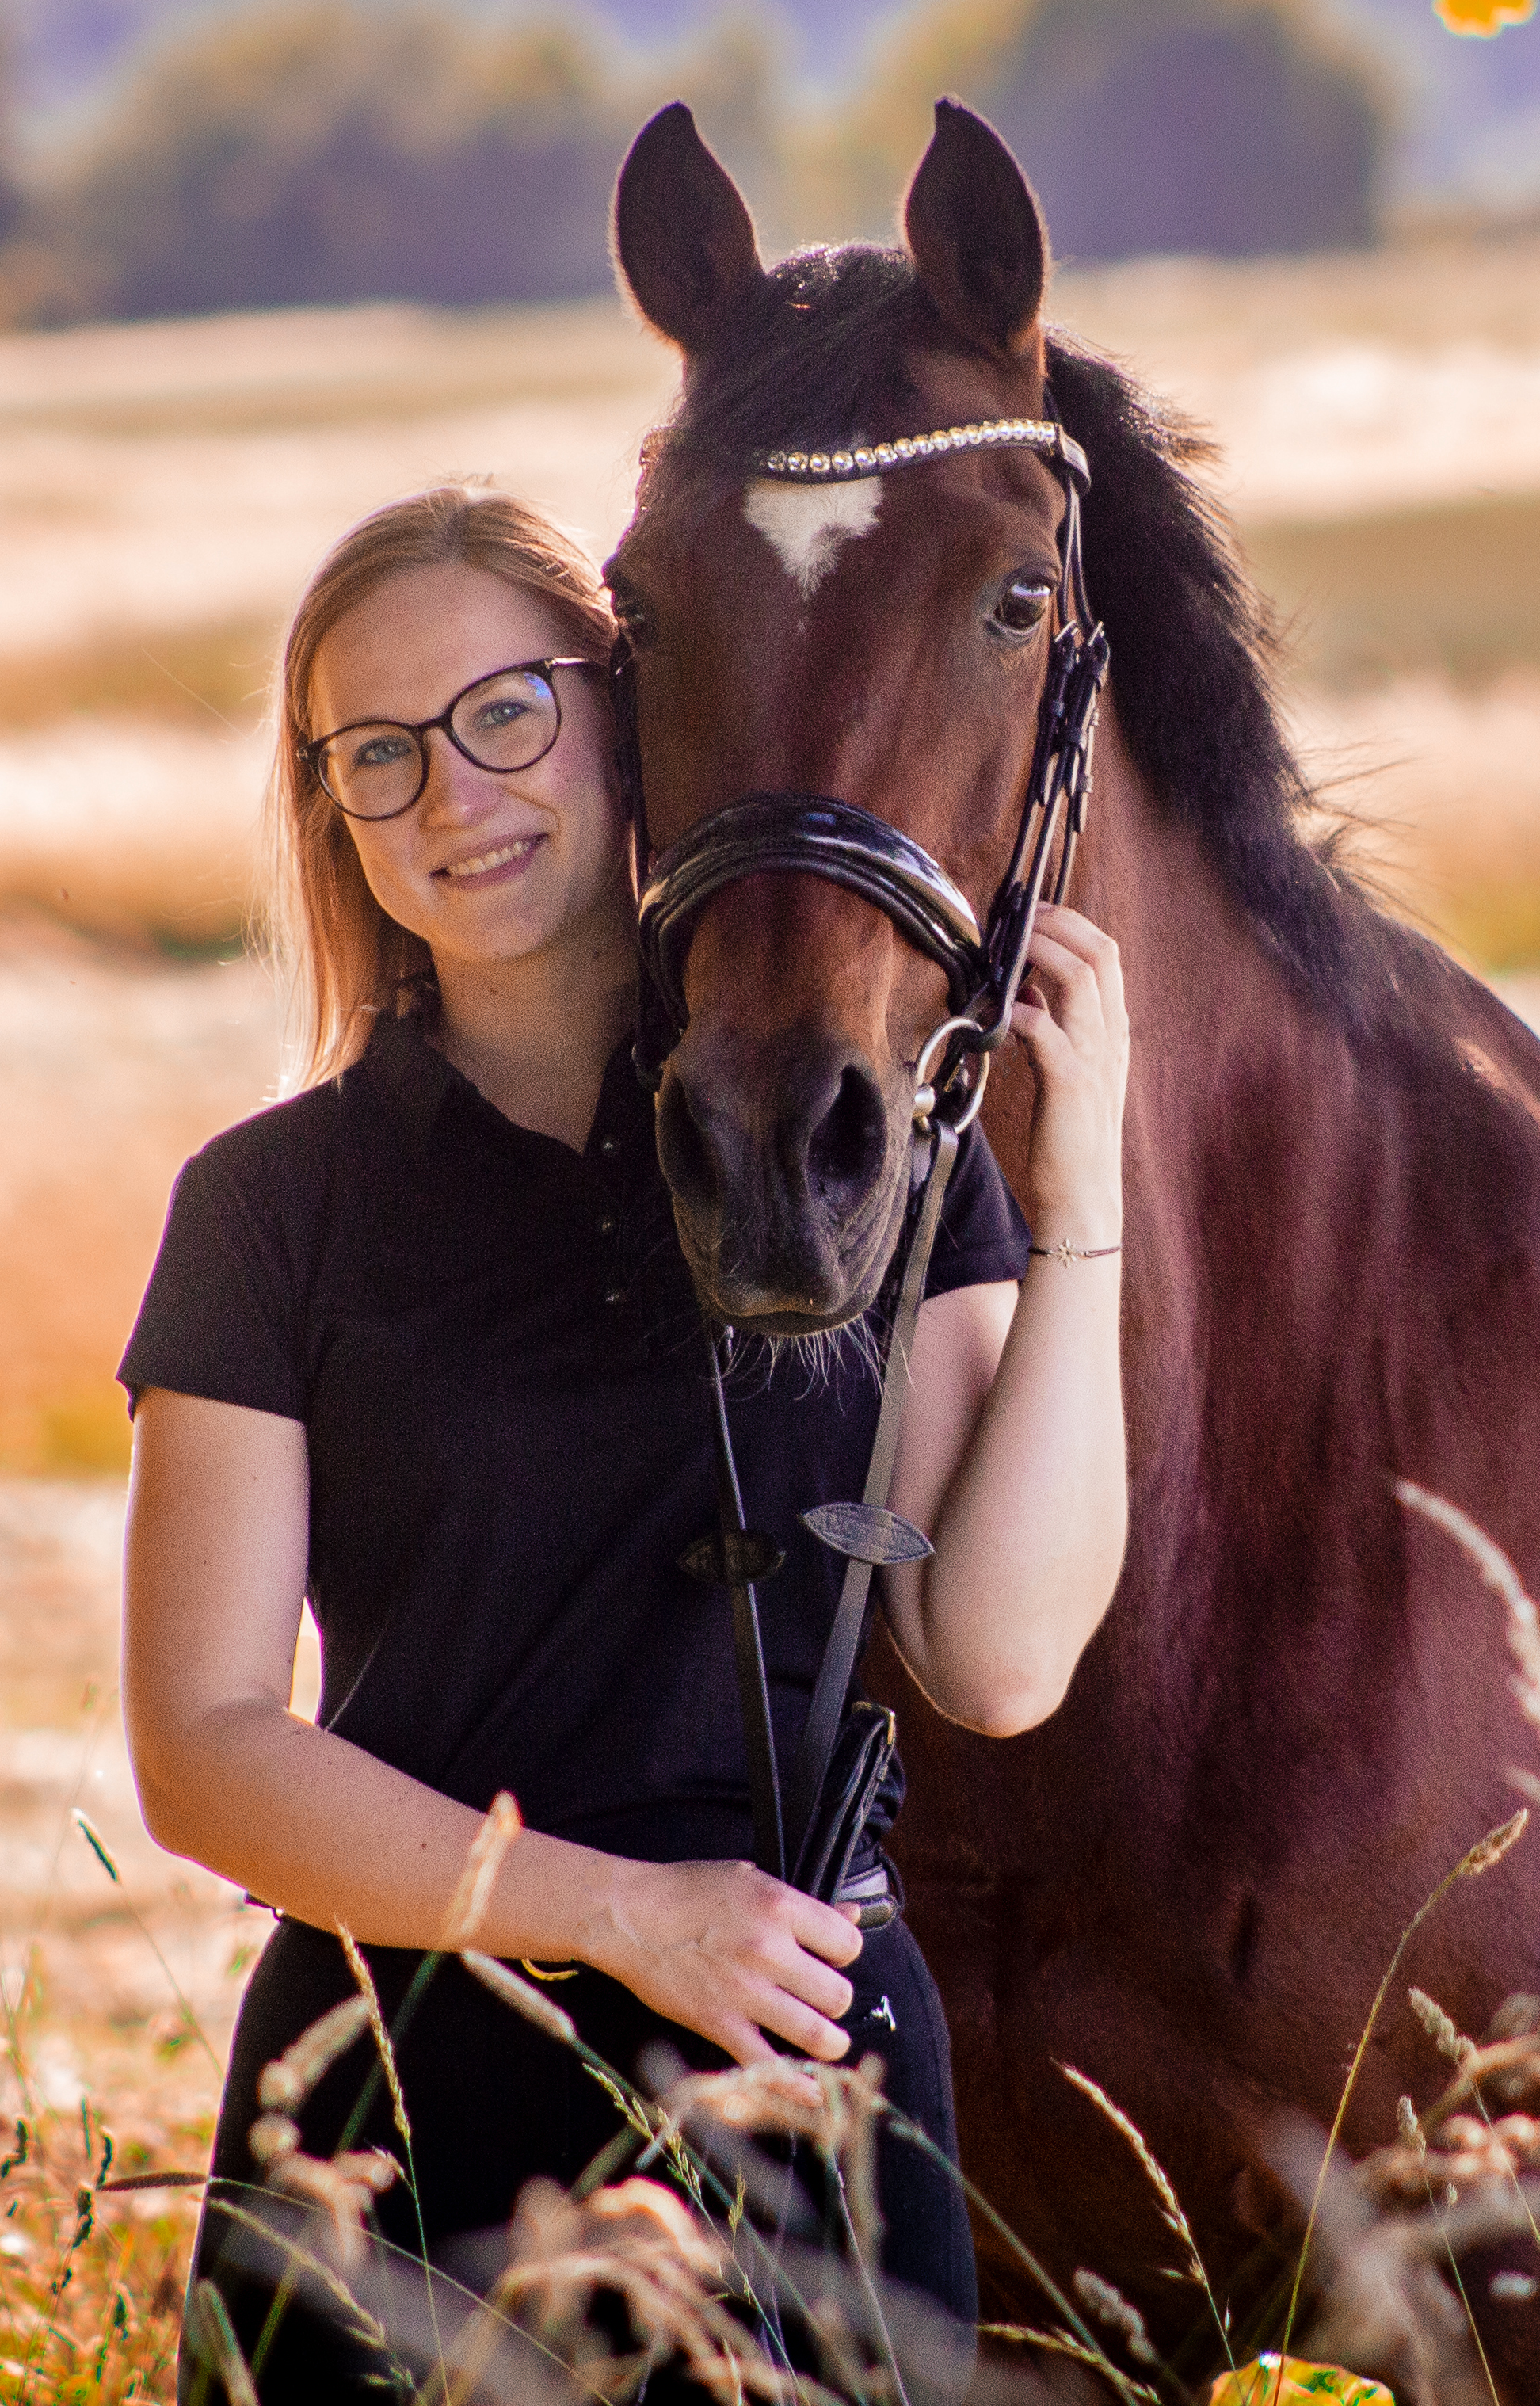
<point x="345" y="959"/>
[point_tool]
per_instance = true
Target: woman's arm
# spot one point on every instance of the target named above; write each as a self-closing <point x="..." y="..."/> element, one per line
<point x="1012" y="1452"/>
<point x="214" y="1587"/>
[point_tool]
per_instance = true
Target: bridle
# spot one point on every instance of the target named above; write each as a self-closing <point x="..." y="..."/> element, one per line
<point x="815" y="835"/>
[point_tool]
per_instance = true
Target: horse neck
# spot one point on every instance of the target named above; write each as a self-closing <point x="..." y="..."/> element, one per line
<point x="1233" y="1070"/>
<point x="1208" y="1004"/>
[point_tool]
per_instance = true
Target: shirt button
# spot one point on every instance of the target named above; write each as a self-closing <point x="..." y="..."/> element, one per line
<point x="608" y="1226"/>
<point x="616" y="1295"/>
<point x="609" y="1146"/>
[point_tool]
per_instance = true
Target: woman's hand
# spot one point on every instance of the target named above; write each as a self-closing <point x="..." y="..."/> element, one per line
<point x="1012" y="1452"/>
<point x="1073" y="1022"/>
<point x="729" y="1952"/>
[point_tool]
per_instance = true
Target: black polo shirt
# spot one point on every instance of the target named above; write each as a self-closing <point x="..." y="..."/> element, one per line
<point x="493" y="1344"/>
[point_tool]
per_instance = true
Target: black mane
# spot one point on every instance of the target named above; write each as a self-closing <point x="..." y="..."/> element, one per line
<point x="818" y="352"/>
<point x="1194" y="663"/>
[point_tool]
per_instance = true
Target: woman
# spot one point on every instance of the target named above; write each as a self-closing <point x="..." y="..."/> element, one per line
<point x="419" y="1343"/>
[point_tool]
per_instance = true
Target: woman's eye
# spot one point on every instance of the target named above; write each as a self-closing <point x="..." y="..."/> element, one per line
<point x="494" y="714"/>
<point x="1022" y="606"/>
<point x="382" y="752"/>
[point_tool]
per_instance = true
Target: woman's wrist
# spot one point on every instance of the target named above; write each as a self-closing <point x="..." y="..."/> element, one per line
<point x="556" y="1901"/>
<point x="608" y="1904"/>
<point x="1091" y="1225"/>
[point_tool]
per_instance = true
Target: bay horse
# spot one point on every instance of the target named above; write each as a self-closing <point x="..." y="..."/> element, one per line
<point x="1296" y="1715"/>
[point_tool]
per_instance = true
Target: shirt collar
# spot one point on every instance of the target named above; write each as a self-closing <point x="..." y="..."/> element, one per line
<point x="411" y="1074"/>
<point x="416" y="1082"/>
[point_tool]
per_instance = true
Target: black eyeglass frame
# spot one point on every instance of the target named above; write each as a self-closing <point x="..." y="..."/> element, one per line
<point x="311" y="753"/>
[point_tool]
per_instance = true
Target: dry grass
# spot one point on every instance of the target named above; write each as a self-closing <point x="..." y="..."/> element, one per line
<point x="1376" y="380"/>
<point x="199" y="677"/>
<point x="112" y="1069"/>
<point x="110" y="1985"/>
<point x="164" y="491"/>
<point x="108" y="1989"/>
<point x="1440" y="794"/>
<point x="144" y="834"/>
<point x="1444" y="591"/>
<point x="190" y="475"/>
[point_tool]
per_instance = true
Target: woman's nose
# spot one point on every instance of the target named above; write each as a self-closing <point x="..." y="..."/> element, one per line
<point x="457" y="790"/>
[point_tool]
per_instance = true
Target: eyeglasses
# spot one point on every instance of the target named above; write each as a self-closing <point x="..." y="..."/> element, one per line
<point x="376" y="768"/>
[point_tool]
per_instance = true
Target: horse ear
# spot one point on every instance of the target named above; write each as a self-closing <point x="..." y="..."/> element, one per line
<point x="978" y="239"/>
<point x="684" y="239"/>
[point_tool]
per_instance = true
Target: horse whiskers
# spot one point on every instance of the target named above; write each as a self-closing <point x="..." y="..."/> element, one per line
<point x="821" y="1355"/>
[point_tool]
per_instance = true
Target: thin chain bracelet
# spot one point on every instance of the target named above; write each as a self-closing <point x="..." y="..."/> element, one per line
<point x="1066" y="1252"/>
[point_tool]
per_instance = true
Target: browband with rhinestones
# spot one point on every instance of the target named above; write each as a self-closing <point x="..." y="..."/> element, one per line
<point x="875" y="458"/>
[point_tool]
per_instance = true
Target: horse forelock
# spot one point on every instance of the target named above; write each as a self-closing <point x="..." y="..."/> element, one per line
<point x="819" y="349"/>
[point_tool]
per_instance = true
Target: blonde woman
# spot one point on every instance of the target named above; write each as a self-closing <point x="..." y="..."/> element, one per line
<point x="419" y="1345"/>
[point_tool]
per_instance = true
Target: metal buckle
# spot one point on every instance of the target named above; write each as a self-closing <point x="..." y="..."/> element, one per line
<point x="928" y="1097"/>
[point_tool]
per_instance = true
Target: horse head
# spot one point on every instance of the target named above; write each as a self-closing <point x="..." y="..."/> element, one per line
<point x="879" y="640"/>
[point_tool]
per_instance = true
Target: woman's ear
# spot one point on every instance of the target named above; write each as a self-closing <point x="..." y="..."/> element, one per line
<point x="684" y="240"/>
<point x="976" y="235"/>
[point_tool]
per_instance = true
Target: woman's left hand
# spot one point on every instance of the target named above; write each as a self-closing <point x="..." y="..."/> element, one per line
<point x="1073" y="1022"/>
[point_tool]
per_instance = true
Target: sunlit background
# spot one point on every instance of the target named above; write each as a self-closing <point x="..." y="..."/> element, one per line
<point x="262" y="267"/>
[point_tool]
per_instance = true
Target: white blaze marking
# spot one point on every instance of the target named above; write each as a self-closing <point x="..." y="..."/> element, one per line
<point x="808" y="523"/>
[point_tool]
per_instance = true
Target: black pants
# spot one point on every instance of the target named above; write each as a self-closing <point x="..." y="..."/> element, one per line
<point x="492" y="2102"/>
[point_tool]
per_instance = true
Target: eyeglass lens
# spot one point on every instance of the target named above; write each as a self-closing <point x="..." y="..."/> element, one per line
<point x="507" y="721"/>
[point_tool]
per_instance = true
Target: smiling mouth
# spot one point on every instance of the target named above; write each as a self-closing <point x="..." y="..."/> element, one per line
<point x="498" y="858"/>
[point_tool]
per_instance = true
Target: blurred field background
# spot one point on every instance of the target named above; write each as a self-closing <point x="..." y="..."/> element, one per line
<point x="260" y="268"/>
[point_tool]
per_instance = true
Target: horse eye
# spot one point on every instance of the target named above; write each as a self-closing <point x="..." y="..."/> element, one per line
<point x="625" y="603"/>
<point x="1022" y="606"/>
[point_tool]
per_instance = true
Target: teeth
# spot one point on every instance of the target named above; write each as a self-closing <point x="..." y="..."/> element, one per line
<point x="483" y="861"/>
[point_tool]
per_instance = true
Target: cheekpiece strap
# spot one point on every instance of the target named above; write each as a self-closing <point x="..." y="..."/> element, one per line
<point x="1043" y="435"/>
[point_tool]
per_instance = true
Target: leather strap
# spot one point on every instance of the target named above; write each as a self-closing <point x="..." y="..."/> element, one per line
<point x="826" y="1709"/>
<point x="770" y="1850"/>
<point x="831" y="1688"/>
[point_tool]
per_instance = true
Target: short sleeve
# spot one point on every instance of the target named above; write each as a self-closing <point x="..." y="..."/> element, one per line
<point x="983" y="1238"/>
<point x="222" y="1316"/>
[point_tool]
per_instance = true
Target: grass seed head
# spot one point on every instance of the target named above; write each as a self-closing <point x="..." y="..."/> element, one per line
<point x="324" y="2186"/>
<point x="473" y="1890"/>
<point x="215" y="2343"/>
<point x="1440" y="2029"/>
<point x="385" y="2052"/>
<point x="285" y="2084"/>
<point x="522" y="1995"/>
<point x="1109" y="2307"/>
<point x="271" y="2137"/>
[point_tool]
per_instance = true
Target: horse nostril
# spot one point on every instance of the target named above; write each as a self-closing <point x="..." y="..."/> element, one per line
<point x="688" y="1160"/>
<point x="849" y="1145"/>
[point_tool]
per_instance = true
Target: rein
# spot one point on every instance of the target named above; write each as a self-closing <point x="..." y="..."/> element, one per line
<point x="817" y="835"/>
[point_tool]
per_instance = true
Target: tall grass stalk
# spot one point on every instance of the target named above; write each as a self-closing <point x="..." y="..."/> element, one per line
<point x="1441" y="2216"/>
<point x="1171" y="2211"/>
<point x="1469" y="2061"/>
<point x="903" y="2127"/>
<point x="1487" y="1852"/>
<point x="1500" y="1576"/>
<point x="190" y="2023"/>
<point x="1063" y="2343"/>
<point x="367" y="1990"/>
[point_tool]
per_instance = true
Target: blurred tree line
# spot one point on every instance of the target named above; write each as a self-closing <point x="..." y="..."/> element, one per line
<point x="323" y="151"/>
<point x="1236" y="127"/>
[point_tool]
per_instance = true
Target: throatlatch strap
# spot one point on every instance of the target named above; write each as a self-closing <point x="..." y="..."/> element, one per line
<point x="822" y="1726"/>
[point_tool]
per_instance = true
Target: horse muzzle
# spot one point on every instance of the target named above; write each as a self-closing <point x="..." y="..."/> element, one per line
<point x="789" y="1175"/>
